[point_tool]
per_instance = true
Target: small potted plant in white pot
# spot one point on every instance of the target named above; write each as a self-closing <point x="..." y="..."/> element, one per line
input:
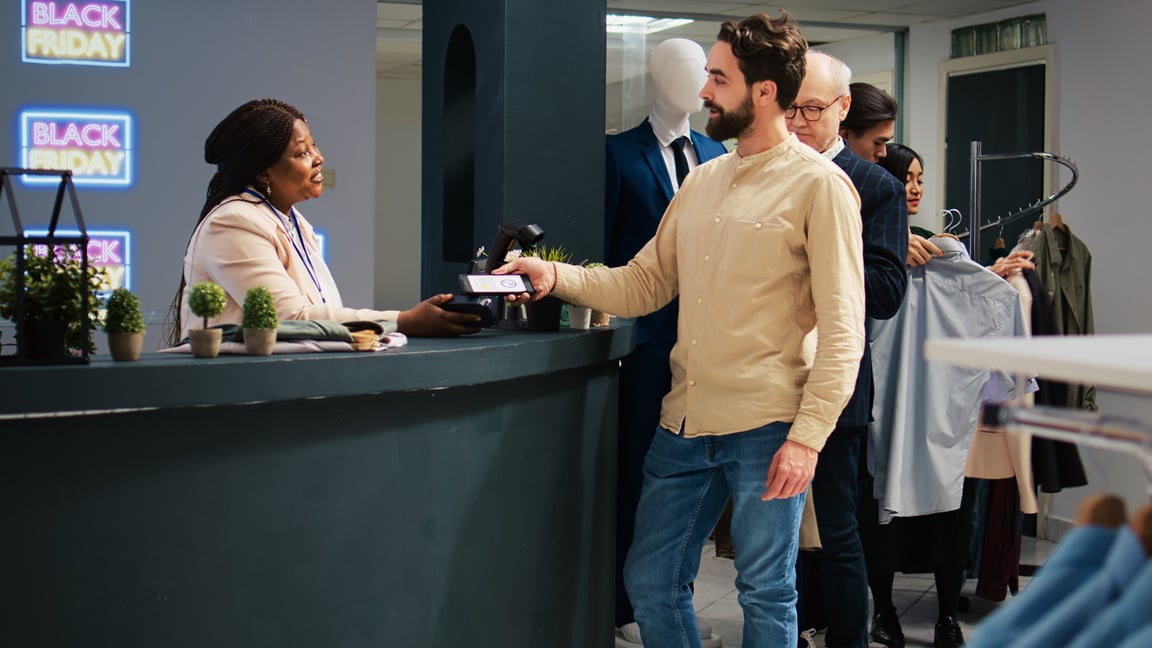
<point x="124" y="324"/>
<point x="259" y="321"/>
<point x="206" y="300"/>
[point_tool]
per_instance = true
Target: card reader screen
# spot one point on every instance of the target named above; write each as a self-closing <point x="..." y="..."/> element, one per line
<point x="496" y="284"/>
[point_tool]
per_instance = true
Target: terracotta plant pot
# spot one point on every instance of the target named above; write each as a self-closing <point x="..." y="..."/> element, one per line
<point x="125" y="347"/>
<point x="259" y="342"/>
<point x="205" y="342"/>
<point x="579" y="317"/>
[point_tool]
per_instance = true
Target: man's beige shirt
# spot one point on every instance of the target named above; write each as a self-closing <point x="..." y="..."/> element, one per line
<point x="760" y="250"/>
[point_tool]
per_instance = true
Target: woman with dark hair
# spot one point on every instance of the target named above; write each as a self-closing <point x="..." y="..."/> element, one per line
<point x="908" y="167"/>
<point x="251" y="234"/>
<point x="871" y="121"/>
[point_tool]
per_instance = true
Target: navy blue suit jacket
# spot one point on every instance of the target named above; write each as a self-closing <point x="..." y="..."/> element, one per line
<point x="636" y="194"/>
<point x="884" y="215"/>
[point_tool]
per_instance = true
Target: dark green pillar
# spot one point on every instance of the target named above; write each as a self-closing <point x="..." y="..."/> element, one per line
<point x="513" y="119"/>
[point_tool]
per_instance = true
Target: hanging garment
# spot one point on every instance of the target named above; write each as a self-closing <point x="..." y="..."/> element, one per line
<point x="925" y="414"/>
<point x="1065" y="267"/>
<point x="1056" y="465"/>
<point x="1076" y="559"/>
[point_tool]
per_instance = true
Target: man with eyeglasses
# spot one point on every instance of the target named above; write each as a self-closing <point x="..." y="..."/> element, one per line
<point x="815" y="116"/>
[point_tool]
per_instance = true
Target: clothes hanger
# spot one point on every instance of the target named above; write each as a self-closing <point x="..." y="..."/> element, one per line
<point x="1141" y="525"/>
<point x="1057" y="221"/>
<point x="1102" y="509"/>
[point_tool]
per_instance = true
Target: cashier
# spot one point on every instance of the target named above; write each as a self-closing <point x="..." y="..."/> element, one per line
<point x="250" y="232"/>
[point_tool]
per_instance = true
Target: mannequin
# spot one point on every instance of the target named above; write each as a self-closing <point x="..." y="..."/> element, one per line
<point x="640" y="182"/>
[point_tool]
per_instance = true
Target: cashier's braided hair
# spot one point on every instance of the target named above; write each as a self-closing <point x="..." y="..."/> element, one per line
<point x="243" y="145"/>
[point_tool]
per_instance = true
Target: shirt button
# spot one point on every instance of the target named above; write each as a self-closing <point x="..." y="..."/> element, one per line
<point x="715" y="220"/>
<point x="759" y="225"/>
<point x="693" y="340"/>
<point x="691" y="383"/>
<point x="699" y="300"/>
<point x="707" y="257"/>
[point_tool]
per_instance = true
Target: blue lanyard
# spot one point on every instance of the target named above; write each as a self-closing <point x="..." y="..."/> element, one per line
<point x="301" y="249"/>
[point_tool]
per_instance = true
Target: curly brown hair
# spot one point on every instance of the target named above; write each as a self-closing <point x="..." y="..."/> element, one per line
<point x="768" y="49"/>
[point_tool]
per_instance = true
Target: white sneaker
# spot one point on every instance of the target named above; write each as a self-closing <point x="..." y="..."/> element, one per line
<point x="628" y="636"/>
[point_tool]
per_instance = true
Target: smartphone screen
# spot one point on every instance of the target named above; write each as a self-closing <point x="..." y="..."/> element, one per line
<point x="495" y="284"/>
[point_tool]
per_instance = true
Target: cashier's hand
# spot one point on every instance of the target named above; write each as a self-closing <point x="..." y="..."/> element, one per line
<point x="427" y="319"/>
<point x="542" y="275"/>
<point x="920" y="250"/>
<point x="791" y="471"/>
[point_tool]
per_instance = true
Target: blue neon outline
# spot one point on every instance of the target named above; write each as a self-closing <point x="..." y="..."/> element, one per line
<point x="127" y="234"/>
<point x="78" y="180"/>
<point x="127" y="41"/>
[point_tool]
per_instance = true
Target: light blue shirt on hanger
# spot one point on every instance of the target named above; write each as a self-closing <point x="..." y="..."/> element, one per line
<point x="925" y="413"/>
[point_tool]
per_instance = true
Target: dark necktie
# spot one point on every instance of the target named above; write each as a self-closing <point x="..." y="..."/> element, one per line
<point x="681" y="161"/>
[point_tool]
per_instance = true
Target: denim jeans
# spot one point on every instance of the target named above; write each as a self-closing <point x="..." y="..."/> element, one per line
<point x="686" y="485"/>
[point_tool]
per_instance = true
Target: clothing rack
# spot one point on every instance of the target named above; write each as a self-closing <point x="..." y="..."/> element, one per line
<point x="977" y="157"/>
<point x="1126" y="436"/>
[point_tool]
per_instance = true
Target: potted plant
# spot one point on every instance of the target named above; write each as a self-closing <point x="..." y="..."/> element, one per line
<point x="259" y="321"/>
<point x="206" y="300"/>
<point x="124" y="324"/>
<point x="544" y="315"/>
<point x="597" y="318"/>
<point x="54" y="312"/>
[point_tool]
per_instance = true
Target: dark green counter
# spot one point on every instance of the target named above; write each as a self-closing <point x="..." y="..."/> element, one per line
<point x="450" y="493"/>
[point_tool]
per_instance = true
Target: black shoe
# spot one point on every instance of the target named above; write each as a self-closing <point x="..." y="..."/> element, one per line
<point x="886" y="629"/>
<point x="947" y="634"/>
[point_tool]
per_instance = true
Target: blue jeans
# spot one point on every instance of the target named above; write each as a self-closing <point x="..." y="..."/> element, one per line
<point x="686" y="485"/>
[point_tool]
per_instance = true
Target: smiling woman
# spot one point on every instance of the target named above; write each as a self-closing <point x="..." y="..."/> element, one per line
<point x="251" y="234"/>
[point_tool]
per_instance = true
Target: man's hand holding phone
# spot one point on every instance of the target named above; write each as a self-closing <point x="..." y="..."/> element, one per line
<point x="541" y="275"/>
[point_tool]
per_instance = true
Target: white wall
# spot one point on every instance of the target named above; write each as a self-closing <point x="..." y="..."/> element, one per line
<point x="398" y="193"/>
<point x="1102" y="97"/>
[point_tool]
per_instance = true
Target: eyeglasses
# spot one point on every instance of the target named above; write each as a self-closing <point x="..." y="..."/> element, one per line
<point x="810" y="113"/>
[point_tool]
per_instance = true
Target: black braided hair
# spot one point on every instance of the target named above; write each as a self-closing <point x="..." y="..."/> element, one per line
<point x="244" y="144"/>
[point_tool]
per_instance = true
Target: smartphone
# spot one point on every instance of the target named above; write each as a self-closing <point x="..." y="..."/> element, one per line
<point x="484" y="284"/>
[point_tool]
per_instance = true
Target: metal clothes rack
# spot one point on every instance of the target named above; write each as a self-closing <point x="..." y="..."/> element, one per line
<point x="1126" y="436"/>
<point x="977" y="157"/>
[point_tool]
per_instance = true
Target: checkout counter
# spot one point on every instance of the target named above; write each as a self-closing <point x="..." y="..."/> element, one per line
<point x="454" y="492"/>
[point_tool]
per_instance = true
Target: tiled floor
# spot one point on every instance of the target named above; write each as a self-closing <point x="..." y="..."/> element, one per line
<point x="913" y="593"/>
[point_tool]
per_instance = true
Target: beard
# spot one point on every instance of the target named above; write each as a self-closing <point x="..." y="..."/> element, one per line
<point x="726" y="125"/>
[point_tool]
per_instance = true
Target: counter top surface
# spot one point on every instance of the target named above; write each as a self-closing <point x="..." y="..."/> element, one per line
<point x="1122" y="362"/>
<point x="165" y="380"/>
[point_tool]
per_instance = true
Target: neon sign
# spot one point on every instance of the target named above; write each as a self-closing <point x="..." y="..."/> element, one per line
<point x="96" y="146"/>
<point x="107" y="249"/>
<point x="76" y="33"/>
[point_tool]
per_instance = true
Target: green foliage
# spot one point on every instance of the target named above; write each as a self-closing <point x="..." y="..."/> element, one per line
<point x="206" y="300"/>
<point x="52" y="287"/>
<point x="259" y="310"/>
<point x="594" y="264"/>
<point x="555" y="253"/>
<point x="123" y="313"/>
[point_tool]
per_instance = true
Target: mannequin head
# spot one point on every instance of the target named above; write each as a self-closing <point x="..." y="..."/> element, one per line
<point x="678" y="75"/>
